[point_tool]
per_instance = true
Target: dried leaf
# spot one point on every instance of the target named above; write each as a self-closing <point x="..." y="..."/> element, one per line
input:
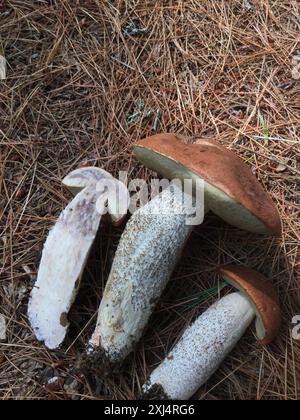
<point x="296" y="69"/>
<point x="296" y="72"/>
<point x="280" y="168"/>
<point x="295" y="60"/>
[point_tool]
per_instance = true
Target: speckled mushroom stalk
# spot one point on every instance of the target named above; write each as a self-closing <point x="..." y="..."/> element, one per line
<point x="148" y="250"/>
<point x="207" y="342"/>
<point x="151" y="245"/>
<point x="202" y="348"/>
<point x="66" y="251"/>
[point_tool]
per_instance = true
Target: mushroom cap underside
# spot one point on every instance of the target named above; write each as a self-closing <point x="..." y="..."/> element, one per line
<point x="117" y="194"/>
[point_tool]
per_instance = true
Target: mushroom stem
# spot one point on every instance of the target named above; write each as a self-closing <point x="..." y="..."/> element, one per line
<point x="148" y="251"/>
<point x="201" y="349"/>
<point x="63" y="260"/>
<point x="66" y="251"/>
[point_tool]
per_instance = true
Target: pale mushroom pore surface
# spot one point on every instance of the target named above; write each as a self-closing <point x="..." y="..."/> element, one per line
<point x="83" y="177"/>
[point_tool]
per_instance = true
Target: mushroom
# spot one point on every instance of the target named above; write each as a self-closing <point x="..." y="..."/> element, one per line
<point x="207" y="342"/>
<point x="67" y="248"/>
<point x="155" y="237"/>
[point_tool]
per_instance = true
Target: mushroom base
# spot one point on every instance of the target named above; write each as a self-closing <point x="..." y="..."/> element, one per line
<point x="98" y="362"/>
<point x="156" y="392"/>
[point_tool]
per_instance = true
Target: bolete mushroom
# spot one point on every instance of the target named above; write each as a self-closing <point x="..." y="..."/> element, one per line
<point x="153" y="240"/>
<point x="206" y="343"/>
<point x="67" y="248"/>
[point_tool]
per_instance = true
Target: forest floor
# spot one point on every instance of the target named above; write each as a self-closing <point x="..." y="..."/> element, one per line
<point x="85" y="79"/>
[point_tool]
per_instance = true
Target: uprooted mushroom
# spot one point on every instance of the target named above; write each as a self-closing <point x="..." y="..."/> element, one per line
<point x="156" y="234"/>
<point x="67" y="248"/>
<point x="207" y="342"/>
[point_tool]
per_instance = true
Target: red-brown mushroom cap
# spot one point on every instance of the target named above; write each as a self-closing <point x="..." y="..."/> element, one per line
<point x="231" y="189"/>
<point x="262" y="295"/>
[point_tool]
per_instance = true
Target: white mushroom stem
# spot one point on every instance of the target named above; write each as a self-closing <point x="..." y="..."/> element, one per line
<point x="148" y="251"/>
<point x="63" y="260"/>
<point x="201" y="349"/>
<point x="65" y="254"/>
